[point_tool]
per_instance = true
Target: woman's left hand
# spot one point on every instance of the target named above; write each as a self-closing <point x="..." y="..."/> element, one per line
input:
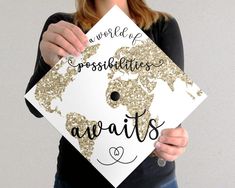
<point x="171" y="143"/>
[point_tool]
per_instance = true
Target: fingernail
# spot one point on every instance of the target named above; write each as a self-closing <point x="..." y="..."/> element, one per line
<point x="82" y="49"/>
<point x="77" y="53"/>
<point x="85" y="42"/>
<point x="161" y="139"/>
<point x="162" y="132"/>
<point x="158" y="145"/>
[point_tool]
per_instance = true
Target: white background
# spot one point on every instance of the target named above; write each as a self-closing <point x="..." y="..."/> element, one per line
<point x="29" y="146"/>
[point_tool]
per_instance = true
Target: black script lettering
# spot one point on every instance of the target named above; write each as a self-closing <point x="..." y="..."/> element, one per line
<point x="161" y="62"/>
<point x="90" y="133"/>
<point x="148" y="66"/>
<point x="99" y="36"/>
<point x="96" y="129"/>
<point x="113" y="129"/>
<point x="110" y="62"/>
<point x="92" y="40"/>
<point x="110" y="32"/>
<point x="136" y="38"/>
<point x="131" y="36"/>
<point x="100" y="67"/>
<point x="117" y="32"/>
<point x="154" y="129"/>
<point x="75" y="132"/>
<point x="88" y="64"/>
<point x="93" y="66"/>
<point x="106" y="34"/>
<point x="136" y="126"/>
<point x="123" y="33"/>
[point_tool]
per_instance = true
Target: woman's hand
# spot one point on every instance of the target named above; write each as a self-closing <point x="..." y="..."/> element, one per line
<point x="171" y="143"/>
<point x="61" y="39"/>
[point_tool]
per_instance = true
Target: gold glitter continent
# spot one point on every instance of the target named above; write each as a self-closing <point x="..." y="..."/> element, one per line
<point x="134" y="98"/>
<point x="52" y="85"/>
<point x="163" y="67"/>
<point x="199" y="93"/>
<point x="86" y="144"/>
<point x="137" y="94"/>
<point x="90" y="51"/>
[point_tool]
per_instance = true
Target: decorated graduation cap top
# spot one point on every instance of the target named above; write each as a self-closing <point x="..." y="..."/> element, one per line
<point x="112" y="101"/>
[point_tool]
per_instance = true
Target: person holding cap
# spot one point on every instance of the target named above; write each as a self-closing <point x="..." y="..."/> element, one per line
<point x="63" y="34"/>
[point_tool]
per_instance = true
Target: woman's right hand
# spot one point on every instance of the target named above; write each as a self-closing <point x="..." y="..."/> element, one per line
<point x="61" y="39"/>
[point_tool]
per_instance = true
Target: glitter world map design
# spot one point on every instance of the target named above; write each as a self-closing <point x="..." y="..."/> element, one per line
<point x="136" y="94"/>
<point x="102" y="100"/>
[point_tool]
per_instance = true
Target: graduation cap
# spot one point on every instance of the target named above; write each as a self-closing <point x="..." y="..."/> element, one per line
<point x="113" y="100"/>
